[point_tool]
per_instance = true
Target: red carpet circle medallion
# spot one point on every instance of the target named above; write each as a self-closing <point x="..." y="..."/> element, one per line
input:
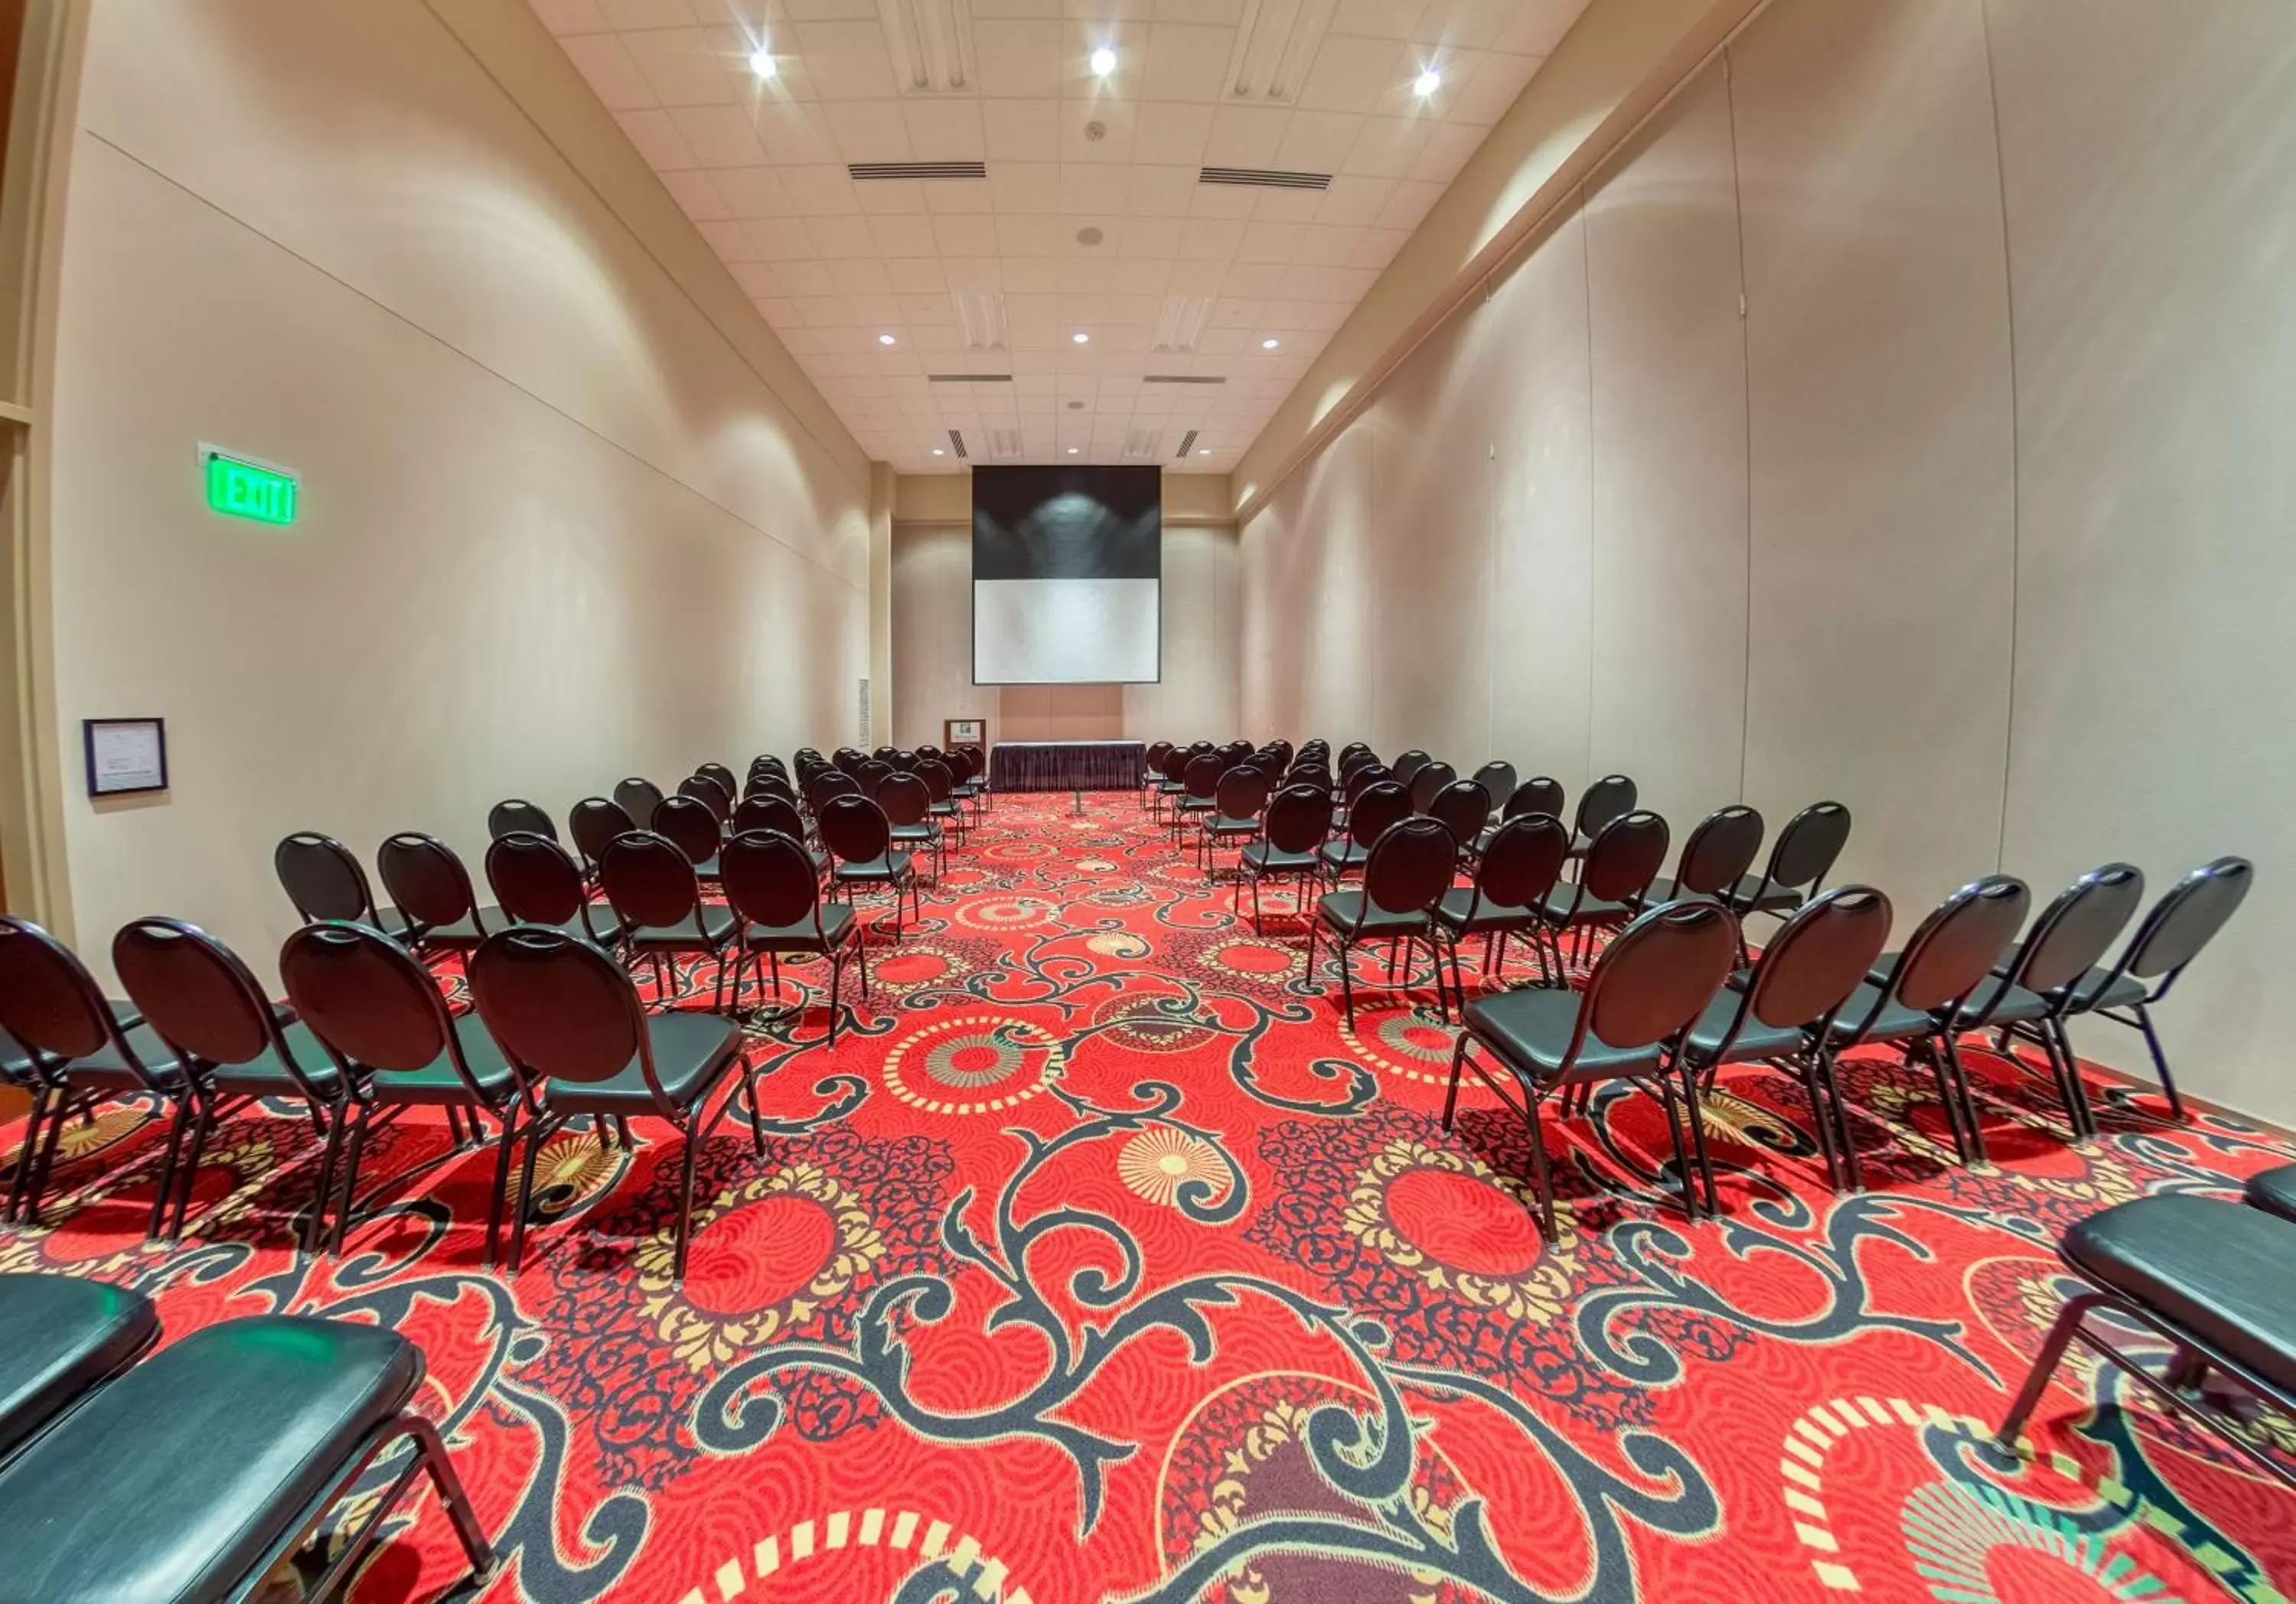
<point x="972" y="1065"/>
<point x="1462" y="1228"/>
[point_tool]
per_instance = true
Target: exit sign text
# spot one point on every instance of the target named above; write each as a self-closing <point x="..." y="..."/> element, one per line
<point x="240" y="488"/>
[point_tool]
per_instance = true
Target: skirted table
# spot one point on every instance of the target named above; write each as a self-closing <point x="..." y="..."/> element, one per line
<point x="1082" y="766"/>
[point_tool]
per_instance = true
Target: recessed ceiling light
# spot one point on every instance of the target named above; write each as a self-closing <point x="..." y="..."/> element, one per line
<point x="1429" y="82"/>
<point x="762" y="62"/>
<point x="1103" y="61"/>
<point x="1269" y="345"/>
<point x="937" y="452"/>
<point x="1207" y="451"/>
<point x="884" y="340"/>
<point x="1073" y="451"/>
<point x="1080" y="337"/>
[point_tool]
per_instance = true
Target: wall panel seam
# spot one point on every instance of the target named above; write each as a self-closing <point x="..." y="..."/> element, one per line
<point x="2016" y="474"/>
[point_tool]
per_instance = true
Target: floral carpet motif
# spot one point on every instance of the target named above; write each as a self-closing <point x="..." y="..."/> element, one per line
<point x="1099" y="1261"/>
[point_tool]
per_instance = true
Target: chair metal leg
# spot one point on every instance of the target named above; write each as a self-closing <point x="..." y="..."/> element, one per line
<point x="1681" y="1151"/>
<point x="1346" y="986"/>
<point x="1697" y="1118"/>
<point x="1949" y="1104"/>
<point x="2084" y="1114"/>
<point x="202" y="1122"/>
<point x="2045" y="1365"/>
<point x="525" y="1196"/>
<point x="1544" y="1173"/>
<point x="348" y="1193"/>
<point x="43" y="1155"/>
<point x="468" y="1532"/>
<point x="1844" y="1136"/>
<point x="1458" y="1065"/>
<point x="496" y="1204"/>
<point x="1821" y="1120"/>
<point x="1967" y="1098"/>
<point x="164" y="1187"/>
<point x="836" y="983"/>
<point x="28" y="1151"/>
<point x="2159" y="1062"/>
<point x="684" y="1202"/>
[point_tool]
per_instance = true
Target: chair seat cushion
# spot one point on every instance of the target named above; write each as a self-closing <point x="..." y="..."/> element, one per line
<point x="2275" y="1190"/>
<point x="1987" y="1005"/>
<point x="2126" y="992"/>
<point x="1747" y="896"/>
<point x="1592" y="910"/>
<point x="1530" y="1029"/>
<point x="690" y="1051"/>
<point x="1346" y="911"/>
<point x="892" y="866"/>
<point x="1894" y="1022"/>
<point x="2213" y="1268"/>
<point x="1666" y="888"/>
<point x="1459" y="911"/>
<point x="465" y="933"/>
<point x="171" y="1483"/>
<point x="103" y="1067"/>
<point x="836" y="919"/>
<point x="1754" y="1040"/>
<point x="438" y="1082"/>
<point x="1221" y="824"/>
<point x="267" y="1077"/>
<point x="1259" y="855"/>
<point x="60" y="1336"/>
<point x="1343" y="855"/>
<point x="712" y="922"/>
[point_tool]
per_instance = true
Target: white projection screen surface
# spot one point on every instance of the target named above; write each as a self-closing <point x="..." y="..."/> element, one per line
<point x="1066" y="575"/>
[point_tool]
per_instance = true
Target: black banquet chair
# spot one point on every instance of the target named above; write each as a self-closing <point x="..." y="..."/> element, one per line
<point x="1804" y="855"/>
<point x="657" y="897"/>
<point x="569" y="1019"/>
<point x="1612" y="797"/>
<point x="691" y="826"/>
<point x="2057" y="955"/>
<point x="860" y="842"/>
<point x="432" y="889"/>
<point x="1520" y="863"/>
<point x="1538" y="795"/>
<point x="323" y="878"/>
<point x="536" y="883"/>
<point x="906" y="802"/>
<point x="638" y="796"/>
<point x="1237" y="803"/>
<point x="1428" y="783"/>
<point x="1375" y="808"/>
<point x="516" y="814"/>
<point x="1722" y="846"/>
<point x="593" y="824"/>
<point x="1646" y="988"/>
<point x="775" y="891"/>
<point x="1614" y="878"/>
<point x="1299" y="820"/>
<point x="777" y="815"/>
<point x="1409" y="869"/>
<point x="1463" y="807"/>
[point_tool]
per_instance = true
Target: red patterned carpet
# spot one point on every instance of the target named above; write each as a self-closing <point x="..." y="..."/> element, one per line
<point x="1098" y="1261"/>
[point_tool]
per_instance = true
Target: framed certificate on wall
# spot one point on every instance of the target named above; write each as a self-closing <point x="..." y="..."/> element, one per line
<point x="125" y="755"/>
<point x="963" y="732"/>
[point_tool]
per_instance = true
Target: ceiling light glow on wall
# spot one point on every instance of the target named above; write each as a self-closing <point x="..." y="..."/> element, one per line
<point x="1428" y="83"/>
<point x="1103" y="61"/>
<point x="762" y="62"/>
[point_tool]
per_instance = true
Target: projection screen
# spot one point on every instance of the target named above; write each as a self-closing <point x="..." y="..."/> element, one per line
<point x="1066" y="575"/>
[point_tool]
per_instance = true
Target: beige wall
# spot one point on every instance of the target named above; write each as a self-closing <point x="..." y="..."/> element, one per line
<point x="556" y="527"/>
<point x="932" y="629"/>
<point x="1976" y="518"/>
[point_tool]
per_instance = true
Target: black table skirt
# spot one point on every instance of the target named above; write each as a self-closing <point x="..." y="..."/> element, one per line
<point x="1042" y="765"/>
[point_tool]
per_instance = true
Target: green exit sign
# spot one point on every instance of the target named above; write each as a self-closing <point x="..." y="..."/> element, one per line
<point x="239" y="487"/>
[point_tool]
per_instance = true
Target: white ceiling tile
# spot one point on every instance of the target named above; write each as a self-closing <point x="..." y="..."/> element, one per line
<point x="1378" y="19"/>
<point x="889" y="197"/>
<point x="686" y="66"/>
<point x="1025" y="187"/>
<point x="753" y="192"/>
<point x="1323" y="247"/>
<point x="793" y="132"/>
<point x="796" y="278"/>
<point x="571" y="16"/>
<point x="658" y="140"/>
<point x="1286" y="205"/>
<point x="602" y="59"/>
<point x="1449" y="146"/>
<point x="1019" y="130"/>
<point x="697" y="195"/>
<point x="852" y="276"/>
<point x="719" y="135"/>
<point x="958" y="199"/>
<point x="1361" y="75"/>
<point x="1483" y="95"/>
<point x="819" y="191"/>
<point x="904" y="236"/>
<point x="1029" y="236"/>
<point x="1246" y="136"/>
<point x="965" y="236"/>
<point x="945" y="128"/>
<point x="1408" y="204"/>
<point x="1387" y="146"/>
<point x="845" y="60"/>
<point x="1159" y="192"/>
<point x="1114" y="119"/>
<point x="868" y="130"/>
<point x="629" y="14"/>
<point x="780" y="239"/>
<point x="1353" y="199"/>
<point x="835" y="237"/>
<point x="1172" y="133"/>
<point x="730" y="240"/>
<point x="918" y="275"/>
<point x="1210" y="239"/>
<point x="1317" y="141"/>
<point x="1377" y="248"/>
<point x="1275" y="243"/>
<point x="1020" y="59"/>
<point x="1185" y="61"/>
<point x="1134" y="277"/>
<point x="1230" y="200"/>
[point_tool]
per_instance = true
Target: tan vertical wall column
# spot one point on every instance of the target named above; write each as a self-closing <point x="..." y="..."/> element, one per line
<point x="882" y="479"/>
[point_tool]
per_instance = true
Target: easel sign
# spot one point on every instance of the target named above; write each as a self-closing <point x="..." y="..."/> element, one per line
<point x="125" y="757"/>
<point x="962" y="732"/>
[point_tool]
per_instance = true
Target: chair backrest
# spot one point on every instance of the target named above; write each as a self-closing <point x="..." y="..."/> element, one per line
<point x="2187" y="918"/>
<point x="2073" y="932"/>
<point x="1407" y="765"/>
<point x="1354" y="758"/>
<point x="48" y="1001"/>
<point x="638" y="796"/>
<point x="1807" y="847"/>
<point x="871" y="776"/>
<point x="1463" y="807"/>
<point x="1657" y="974"/>
<point x="1809" y="970"/>
<point x="1957" y="946"/>
<point x="826" y="787"/>
<point x="1410" y="866"/>
<point x="1428" y="784"/>
<point x="1242" y="793"/>
<point x="1362" y="777"/>
<point x="650" y="880"/>
<point x="518" y="813"/>
<point x="775" y="814"/>
<point x="1719" y="851"/>
<point x="703" y="789"/>
<point x="1624" y="859"/>
<point x="198" y="995"/>
<point x="769" y="880"/>
<point x="1541" y="794"/>
<point x="904" y="799"/>
<point x="888" y="755"/>
<point x="1176" y="764"/>
<point x="559" y="1009"/>
<point x="369" y="1001"/>
<point x="689" y="824"/>
<point x="1612" y="797"/>
<point x="425" y="880"/>
<point x="594" y="822"/>
<point x="1375" y="809"/>
<point x="1299" y="818"/>
<point x="772" y="785"/>
<point x="1158" y="751"/>
<point x="1497" y="778"/>
<point x="1202" y="775"/>
<point x="940" y="780"/>
<point x="534" y="880"/>
<point x="322" y="879"/>
<point x="1523" y="861"/>
<point x="719" y="771"/>
<point x="855" y="829"/>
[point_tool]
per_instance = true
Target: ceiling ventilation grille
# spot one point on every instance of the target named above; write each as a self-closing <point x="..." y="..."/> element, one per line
<point x="1180" y="325"/>
<point x="1141" y="445"/>
<point x="932" y="45"/>
<point x="1273" y="47"/>
<point x="979" y="319"/>
<point x="928" y="172"/>
<point x="1265" y="178"/>
<point x="1004" y="444"/>
<point x="1188" y="445"/>
<point x="968" y="378"/>
<point x="956" y="443"/>
<point x="1183" y="379"/>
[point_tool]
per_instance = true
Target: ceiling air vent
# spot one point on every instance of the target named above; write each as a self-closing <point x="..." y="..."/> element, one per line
<point x="883" y="172"/>
<point x="1273" y="47"/>
<point x="1183" y="379"/>
<point x="979" y="319"/>
<point x="932" y="45"/>
<point x="1141" y="445"/>
<point x="956" y="442"/>
<point x="1265" y="178"/>
<point x="1004" y="444"/>
<point x="1180" y="324"/>
<point x="968" y="378"/>
<point x="1188" y="445"/>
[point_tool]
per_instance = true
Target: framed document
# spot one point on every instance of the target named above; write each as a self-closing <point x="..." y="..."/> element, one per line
<point x="964" y="731"/>
<point x="125" y="755"/>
